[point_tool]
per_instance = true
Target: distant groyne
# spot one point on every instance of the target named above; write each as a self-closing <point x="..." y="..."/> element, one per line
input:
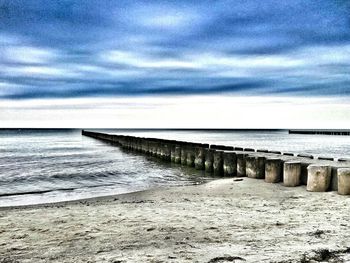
<point x="321" y="132"/>
<point x="319" y="175"/>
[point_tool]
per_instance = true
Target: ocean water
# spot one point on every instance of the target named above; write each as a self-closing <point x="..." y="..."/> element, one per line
<point x="58" y="165"/>
<point x="42" y="166"/>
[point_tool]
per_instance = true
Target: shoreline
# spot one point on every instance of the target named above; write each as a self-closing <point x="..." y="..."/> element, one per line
<point x="219" y="221"/>
<point x="90" y="199"/>
<point x="107" y="198"/>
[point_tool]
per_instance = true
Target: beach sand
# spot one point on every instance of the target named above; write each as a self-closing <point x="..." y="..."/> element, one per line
<point x="220" y="221"/>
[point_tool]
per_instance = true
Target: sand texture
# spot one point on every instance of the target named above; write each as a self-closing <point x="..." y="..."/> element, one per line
<point x="220" y="221"/>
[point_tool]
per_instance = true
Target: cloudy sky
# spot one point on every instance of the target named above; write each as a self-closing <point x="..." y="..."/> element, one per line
<point x="184" y="64"/>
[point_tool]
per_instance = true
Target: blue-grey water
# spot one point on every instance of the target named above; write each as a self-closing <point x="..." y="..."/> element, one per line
<point x="41" y="166"/>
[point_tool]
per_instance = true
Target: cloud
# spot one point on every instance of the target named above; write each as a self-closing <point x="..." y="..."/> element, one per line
<point x="157" y="16"/>
<point x="141" y="61"/>
<point x="28" y="55"/>
<point x="70" y="49"/>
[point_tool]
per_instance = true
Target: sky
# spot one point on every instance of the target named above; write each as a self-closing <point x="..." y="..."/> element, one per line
<point x="175" y="64"/>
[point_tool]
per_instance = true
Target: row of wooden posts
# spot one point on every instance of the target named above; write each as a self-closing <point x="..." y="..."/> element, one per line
<point x="231" y="161"/>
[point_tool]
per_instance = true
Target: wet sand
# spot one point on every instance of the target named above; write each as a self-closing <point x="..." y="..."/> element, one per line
<point x="220" y="221"/>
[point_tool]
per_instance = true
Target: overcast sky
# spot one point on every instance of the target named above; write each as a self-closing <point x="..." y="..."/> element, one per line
<point x="208" y="64"/>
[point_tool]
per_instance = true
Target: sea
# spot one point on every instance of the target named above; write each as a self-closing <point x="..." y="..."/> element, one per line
<point x="53" y="165"/>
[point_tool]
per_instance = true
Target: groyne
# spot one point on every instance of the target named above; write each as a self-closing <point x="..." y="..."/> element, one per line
<point x="321" y="132"/>
<point x="318" y="174"/>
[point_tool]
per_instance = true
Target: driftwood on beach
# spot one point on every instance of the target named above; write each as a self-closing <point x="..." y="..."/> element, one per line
<point x="319" y="175"/>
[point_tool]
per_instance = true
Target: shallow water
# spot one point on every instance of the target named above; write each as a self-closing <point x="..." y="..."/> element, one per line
<point x="40" y="166"/>
<point x="63" y="165"/>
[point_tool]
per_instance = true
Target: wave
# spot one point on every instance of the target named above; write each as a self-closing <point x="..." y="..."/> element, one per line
<point x="52" y="190"/>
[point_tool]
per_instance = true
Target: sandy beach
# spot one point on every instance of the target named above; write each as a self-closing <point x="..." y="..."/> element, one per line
<point x="226" y="220"/>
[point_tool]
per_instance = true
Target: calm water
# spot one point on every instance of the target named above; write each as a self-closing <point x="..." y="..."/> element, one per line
<point x="49" y="166"/>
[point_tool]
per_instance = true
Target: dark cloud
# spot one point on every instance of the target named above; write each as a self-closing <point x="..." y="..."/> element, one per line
<point x="92" y="88"/>
<point x="113" y="48"/>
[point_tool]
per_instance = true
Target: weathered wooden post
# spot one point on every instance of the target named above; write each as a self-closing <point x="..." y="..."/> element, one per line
<point x="138" y="144"/>
<point x="184" y="155"/>
<point x="230" y="164"/>
<point x="344" y="181"/>
<point x="273" y="170"/>
<point x="177" y="153"/>
<point x="132" y="143"/>
<point x="166" y="153"/>
<point x="318" y="178"/>
<point x="190" y="156"/>
<point x="172" y="153"/>
<point x="199" y="162"/>
<point x="218" y="164"/>
<point x="248" y="150"/>
<point x="154" y="149"/>
<point x="144" y="146"/>
<point x="209" y="160"/>
<point x="309" y="156"/>
<point x="343" y="160"/>
<point x="255" y="167"/>
<point x="241" y="164"/>
<point x="291" y="173"/>
<point x="159" y="150"/>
